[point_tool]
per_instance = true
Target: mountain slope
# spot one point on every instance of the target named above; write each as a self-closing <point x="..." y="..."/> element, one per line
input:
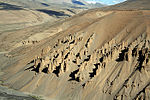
<point x="30" y="13"/>
<point x="130" y="5"/>
<point x="95" y="55"/>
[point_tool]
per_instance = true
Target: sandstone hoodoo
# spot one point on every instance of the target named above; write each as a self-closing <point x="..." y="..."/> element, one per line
<point x="99" y="54"/>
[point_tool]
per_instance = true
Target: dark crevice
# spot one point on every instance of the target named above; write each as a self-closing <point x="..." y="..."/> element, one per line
<point x="32" y="67"/>
<point x="66" y="56"/>
<point x="56" y="45"/>
<point x="86" y="45"/>
<point x="101" y="59"/>
<point x="66" y="41"/>
<point x="31" y="62"/>
<point x="77" y="79"/>
<point x="88" y="58"/>
<point x="53" y="59"/>
<point x="141" y="60"/>
<point x="64" y="67"/>
<point x="134" y="52"/>
<point x="123" y="55"/>
<point x="147" y="60"/>
<point x="72" y="42"/>
<point x="107" y="54"/>
<point x="57" y="70"/>
<point x="45" y="70"/>
<point x="68" y="47"/>
<point x="55" y="56"/>
<point x="72" y="75"/>
<point x="37" y="68"/>
<point x="78" y="55"/>
<point x="94" y="70"/>
<point x="74" y="61"/>
<point x="84" y="52"/>
<point x="83" y="85"/>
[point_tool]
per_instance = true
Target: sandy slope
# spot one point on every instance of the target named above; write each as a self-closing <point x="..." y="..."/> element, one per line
<point x="8" y="94"/>
<point x="20" y="19"/>
<point x="96" y="55"/>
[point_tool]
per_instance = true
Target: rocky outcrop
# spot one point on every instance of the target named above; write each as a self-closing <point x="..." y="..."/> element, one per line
<point x="67" y="54"/>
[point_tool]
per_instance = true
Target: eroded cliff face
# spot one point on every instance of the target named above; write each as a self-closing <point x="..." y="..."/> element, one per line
<point x="129" y="61"/>
<point x="101" y="61"/>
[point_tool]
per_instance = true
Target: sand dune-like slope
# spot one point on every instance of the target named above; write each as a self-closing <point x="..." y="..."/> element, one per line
<point x="96" y="55"/>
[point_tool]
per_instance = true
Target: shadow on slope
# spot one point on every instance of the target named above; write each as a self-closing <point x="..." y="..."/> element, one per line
<point x="45" y="4"/>
<point x="77" y="2"/>
<point x="53" y="13"/>
<point x="5" y="6"/>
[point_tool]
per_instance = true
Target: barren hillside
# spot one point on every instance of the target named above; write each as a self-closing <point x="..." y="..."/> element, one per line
<point x="95" y="55"/>
<point x="130" y="5"/>
<point x="16" y="14"/>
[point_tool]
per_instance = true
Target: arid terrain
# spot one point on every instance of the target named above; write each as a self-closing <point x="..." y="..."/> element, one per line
<point x="97" y="54"/>
<point x="16" y="14"/>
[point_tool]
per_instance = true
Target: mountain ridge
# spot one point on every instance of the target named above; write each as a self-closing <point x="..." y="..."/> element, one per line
<point x="130" y="5"/>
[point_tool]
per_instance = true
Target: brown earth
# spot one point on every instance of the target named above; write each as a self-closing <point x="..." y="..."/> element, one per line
<point x="95" y="55"/>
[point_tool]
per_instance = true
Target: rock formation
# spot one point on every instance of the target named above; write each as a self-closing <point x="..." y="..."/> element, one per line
<point x="98" y="55"/>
